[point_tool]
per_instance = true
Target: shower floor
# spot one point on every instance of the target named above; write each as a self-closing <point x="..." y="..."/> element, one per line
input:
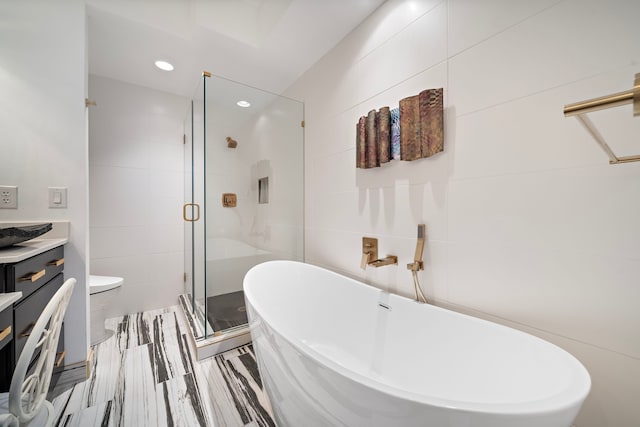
<point x="226" y="311"/>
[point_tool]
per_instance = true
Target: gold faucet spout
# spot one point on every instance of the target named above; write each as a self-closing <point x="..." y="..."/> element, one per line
<point x="388" y="260"/>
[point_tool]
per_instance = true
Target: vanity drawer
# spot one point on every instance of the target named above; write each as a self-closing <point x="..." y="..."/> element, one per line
<point x="27" y="312"/>
<point x="6" y="326"/>
<point x="29" y="275"/>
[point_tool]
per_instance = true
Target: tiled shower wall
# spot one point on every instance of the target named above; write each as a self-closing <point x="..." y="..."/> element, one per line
<point x="273" y="148"/>
<point x="136" y="188"/>
<point x="527" y="223"/>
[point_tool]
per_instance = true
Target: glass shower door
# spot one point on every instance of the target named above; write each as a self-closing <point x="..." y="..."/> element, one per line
<point x="187" y="208"/>
<point x="193" y="211"/>
<point x="253" y="161"/>
<point x="243" y="197"/>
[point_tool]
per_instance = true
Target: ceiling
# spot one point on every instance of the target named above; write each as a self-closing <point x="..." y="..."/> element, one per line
<point x="267" y="44"/>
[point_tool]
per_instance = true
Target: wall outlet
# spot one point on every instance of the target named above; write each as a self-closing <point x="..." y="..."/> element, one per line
<point x="8" y="197"/>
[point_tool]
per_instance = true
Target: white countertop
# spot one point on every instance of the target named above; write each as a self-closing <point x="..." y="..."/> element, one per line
<point x="59" y="235"/>
<point x="7" y="299"/>
<point x="28" y="249"/>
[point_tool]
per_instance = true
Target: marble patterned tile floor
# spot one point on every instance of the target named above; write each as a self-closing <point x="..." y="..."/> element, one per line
<point x="147" y="375"/>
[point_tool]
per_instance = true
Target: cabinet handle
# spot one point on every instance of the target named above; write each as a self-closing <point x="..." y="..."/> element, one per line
<point x="5" y="333"/>
<point x="34" y="276"/>
<point x="60" y="358"/>
<point x="27" y="331"/>
<point x="56" y="262"/>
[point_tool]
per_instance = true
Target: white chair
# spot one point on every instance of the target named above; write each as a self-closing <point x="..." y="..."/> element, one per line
<point x="26" y="402"/>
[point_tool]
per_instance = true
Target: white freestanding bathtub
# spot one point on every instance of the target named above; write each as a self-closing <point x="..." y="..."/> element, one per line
<point x="336" y="352"/>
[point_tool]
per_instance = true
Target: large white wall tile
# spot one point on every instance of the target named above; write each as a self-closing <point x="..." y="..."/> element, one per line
<point x="533" y="134"/>
<point x="590" y="210"/>
<point x="411" y="51"/>
<point x="118" y="196"/>
<point x="550" y="290"/>
<point x="471" y="22"/>
<point x="388" y="20"/>
<point x="336" y="172"/>
<point x="110" y="242"/>
<point x="556" y="47"/>
<point x="614" y="388"/>
<point x="136" y="179"/>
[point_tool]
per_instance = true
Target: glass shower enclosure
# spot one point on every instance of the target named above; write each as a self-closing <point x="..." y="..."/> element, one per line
<point x="244" y="188"/>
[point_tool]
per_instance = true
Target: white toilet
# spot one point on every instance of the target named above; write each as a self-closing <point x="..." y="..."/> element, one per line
<point x="99" y="287"/>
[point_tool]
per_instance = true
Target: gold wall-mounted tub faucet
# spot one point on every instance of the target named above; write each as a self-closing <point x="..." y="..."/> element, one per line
<point x="370" y="254"/>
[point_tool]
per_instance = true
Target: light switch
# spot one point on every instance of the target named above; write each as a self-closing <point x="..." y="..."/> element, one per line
<point x="57" y="197"/>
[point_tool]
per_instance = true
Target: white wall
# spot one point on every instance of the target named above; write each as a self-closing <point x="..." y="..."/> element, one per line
<point x="277" y="150"/>
<point x="43" y="138"/>
<point x="270" y="144"/>
<point x="136" y="192"/>
<point x="527" y="223"/>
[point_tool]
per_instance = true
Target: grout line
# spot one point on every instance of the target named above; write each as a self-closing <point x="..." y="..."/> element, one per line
<point x="388" y="39"/>
<point x="545" y="90"/>
<point x="603" y="166"/>
<point x="471" y="309"/>
<point x="444" y="61"/>
<point x="506" y="29"/>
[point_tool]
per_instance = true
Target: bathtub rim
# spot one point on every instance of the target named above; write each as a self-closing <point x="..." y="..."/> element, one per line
<point x="573" y="396"/>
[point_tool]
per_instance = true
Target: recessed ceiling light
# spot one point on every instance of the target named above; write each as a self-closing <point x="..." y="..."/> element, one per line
<point x="243" y="104"/>
<point x="164" y="65"/>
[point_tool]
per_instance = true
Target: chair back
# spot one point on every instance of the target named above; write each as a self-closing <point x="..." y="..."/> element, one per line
<point x="29" y="387"/>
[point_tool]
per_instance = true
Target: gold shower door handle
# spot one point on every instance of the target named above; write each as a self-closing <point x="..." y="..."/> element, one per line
<point x="184" y="212"/>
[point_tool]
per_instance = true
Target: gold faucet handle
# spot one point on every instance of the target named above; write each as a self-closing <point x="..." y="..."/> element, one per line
<point x="369" y="251"/>
<point x="366" y="257"/>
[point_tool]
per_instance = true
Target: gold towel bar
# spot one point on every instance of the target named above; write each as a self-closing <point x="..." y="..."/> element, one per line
<point x="580" y="109"/>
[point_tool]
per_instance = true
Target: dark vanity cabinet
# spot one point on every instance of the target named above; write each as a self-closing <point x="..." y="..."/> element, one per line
<point x="38" y="278"/>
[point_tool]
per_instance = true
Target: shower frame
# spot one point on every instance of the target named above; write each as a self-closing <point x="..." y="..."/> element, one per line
<point x="202" y="134"/>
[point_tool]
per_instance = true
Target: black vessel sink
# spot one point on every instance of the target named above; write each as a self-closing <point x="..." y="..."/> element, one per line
<point x="12" y="235"/>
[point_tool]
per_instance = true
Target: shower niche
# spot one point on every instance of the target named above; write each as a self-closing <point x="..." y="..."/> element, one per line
<point x="263" y="190"/>
<point x="260" y="218"/>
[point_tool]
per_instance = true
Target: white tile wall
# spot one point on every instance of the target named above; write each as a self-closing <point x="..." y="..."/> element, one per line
<point x="136" y="174"/>
<point x="269" y="144"/>
<point x="571" y="41"/>
<point x="527" y="223"/>
<point x="471" y="22"/>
